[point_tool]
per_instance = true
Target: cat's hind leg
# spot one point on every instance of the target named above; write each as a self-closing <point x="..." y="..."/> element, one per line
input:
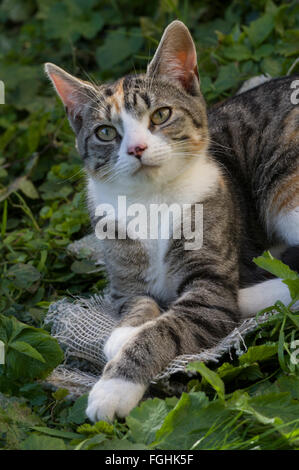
<point x="282" y="219"/>
<point x="259" y="296"/>
<point x="283" y="211"/>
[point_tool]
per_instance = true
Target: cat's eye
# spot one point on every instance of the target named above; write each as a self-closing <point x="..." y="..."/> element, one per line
<point x="160" y="116"/>
<point x="106" y="133"/>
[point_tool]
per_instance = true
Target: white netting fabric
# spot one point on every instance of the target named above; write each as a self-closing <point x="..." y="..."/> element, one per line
<point x="82" y="326"/>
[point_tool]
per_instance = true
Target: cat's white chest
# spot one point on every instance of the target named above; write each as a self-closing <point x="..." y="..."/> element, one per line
<point x="159" y="281"/>
<point x="157" y="277"/>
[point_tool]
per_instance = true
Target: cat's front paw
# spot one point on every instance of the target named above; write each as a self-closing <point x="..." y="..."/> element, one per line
<point x="113" y="397"/>
<point x="117" y="339"/>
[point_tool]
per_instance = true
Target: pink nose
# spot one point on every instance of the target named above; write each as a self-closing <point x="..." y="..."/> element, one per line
<point x="137" y="150"/>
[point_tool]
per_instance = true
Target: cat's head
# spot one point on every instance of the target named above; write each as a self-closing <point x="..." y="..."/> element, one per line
<point x="142" y="127"/>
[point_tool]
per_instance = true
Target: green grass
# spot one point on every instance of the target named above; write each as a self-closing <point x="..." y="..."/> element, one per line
<point x="246" y="402"/>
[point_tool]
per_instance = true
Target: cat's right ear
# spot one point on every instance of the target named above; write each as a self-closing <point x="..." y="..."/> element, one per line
<point x="74" y="93"/>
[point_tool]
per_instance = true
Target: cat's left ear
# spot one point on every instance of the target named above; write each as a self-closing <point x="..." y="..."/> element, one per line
<point x="73" y="92"/>
<point x="176" y="57"/>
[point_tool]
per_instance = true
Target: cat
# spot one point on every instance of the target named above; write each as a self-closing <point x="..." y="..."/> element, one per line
<point x="150" y="138"/>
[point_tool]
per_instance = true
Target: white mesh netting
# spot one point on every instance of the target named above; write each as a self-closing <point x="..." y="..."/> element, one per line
<point x="82" y="326"/>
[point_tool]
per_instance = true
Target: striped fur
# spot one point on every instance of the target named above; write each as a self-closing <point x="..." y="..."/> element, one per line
<point x="239" y="159"/>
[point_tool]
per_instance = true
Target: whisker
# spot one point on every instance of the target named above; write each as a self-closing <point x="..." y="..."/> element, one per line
<point x="81" y="172"/>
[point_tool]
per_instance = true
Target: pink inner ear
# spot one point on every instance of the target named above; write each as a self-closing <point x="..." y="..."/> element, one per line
<point x="64" y="89"/>
<point x="186" y="66"/>
<point x="182" y="56"/>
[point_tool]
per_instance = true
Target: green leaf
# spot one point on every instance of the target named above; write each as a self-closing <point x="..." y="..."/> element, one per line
<point x="288" y="383"/>
<point x="228" y="78"/>
<point x="121" y="444"/>
<point x="273" y="66"/>
<point x="260" y="29"/>
<point x="16" y="420"/>
<point x="67" y="21"/>
<point x="246" y="372"/>
<point x="237" y="52"/>
<point x="258" y="353"/>
<point x="23" y="275"/>
<point x="270" y="409"/>
<point x="29" y="189"/>
<point x="275" y="266"/>
<point x="293" y="285"/>
<point x="60" y="394"/>
<point x="145" y="420"/>
<point x="10" y="328"/>
<point x="91" y="443"/>
<point x="52" y="190"/>
<point x="77" y="413"/>
<point x="119" y="45"/>
<point x="35" y="442"/>
<point x="34" y="393"/>
<point x="211" y="377"/>
<point x="289" y="46"/>
<point x="56" y="432"/>
<point x="194" y="423"/>
<point x="276" y="406"/>
<point x="26" y="349"/>
<point x="265" y="50"/>
<point x="25" y="346"/>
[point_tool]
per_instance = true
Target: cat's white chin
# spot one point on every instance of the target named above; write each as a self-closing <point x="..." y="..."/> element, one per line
<point x="113" y="397"/>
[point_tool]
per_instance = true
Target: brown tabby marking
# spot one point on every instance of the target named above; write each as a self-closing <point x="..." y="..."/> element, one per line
<point x="117" y="99"/>
<point x="287" y="197"/>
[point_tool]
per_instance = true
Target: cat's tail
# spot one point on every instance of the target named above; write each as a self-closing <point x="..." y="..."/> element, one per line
<point x="254" y="82"/>
<point x="259" y="296"/>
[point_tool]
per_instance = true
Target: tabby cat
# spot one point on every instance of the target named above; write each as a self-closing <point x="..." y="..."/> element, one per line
<point x="149" y="137"/>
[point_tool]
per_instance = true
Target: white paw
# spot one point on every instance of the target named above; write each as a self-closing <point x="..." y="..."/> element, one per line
<point x="113" y="397"/>
<point x="117" y="339"/>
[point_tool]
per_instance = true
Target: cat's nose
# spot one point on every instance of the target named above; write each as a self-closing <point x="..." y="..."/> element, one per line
<point x="137" y="150"/>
